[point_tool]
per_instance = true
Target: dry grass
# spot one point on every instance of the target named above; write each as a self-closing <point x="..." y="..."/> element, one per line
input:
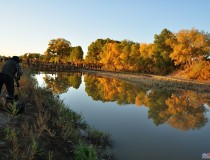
<point x="46" y="130"/>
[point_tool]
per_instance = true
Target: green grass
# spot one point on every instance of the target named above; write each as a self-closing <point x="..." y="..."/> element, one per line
<point x="85" y="152"/>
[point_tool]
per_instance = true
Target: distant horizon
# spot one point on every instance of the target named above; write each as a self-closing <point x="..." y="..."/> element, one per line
<point x="28" y="26"/>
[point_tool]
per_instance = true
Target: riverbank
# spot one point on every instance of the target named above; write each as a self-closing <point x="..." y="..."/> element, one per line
<point x="166" y="82"/>
<point x="48" y="129"/>
<point x="169" y="82"/>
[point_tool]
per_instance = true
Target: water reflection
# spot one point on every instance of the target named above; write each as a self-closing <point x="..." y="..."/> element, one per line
<point x="183" y="109"/>
<point x="60" y="82"/>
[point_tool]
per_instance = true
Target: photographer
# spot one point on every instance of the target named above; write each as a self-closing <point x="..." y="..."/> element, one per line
<point x="10" y="71"/>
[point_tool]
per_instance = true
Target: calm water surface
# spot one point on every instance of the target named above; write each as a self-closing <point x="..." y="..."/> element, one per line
<point x="144" y="123"/>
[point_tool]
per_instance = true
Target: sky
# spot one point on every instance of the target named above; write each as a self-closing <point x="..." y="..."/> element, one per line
<point x="27" y="26"/>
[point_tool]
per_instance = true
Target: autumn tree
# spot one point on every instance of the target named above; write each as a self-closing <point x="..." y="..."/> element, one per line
<point x="94" y="50"/>
<point x="110" y="55"/>
<point x="125" y="51"/>
<point x="146" y="57"/>
<point x="59" y="47"/>
<point x="120" y="55"/>
<point x="188" y="46"/>
<point x="198" y="70"/>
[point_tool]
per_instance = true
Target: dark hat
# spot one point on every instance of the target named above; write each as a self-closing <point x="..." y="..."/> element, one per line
<point x="16" y="58"/>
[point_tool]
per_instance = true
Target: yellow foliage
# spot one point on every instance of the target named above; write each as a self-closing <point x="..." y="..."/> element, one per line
<point x="189" y="44"/>
<point x="199" y="70"/>
<point x="147" y="50"/>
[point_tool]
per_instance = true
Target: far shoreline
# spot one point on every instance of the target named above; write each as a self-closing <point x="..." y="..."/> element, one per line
<point x="165" y="82"/>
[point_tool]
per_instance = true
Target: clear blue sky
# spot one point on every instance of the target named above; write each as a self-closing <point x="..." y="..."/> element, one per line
<point x="29" y="25"/>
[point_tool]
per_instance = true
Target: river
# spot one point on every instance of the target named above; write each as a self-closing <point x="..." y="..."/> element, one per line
<point x="144" y="123"/>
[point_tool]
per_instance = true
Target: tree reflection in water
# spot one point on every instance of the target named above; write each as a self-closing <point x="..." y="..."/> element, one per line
<point x="61" y="82"/>
<point x="182" y="109"/>
<point x="186" y="110"/>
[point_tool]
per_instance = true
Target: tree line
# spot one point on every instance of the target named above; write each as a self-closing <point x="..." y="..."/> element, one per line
<point x="59" y="50"/>
<point x="188" y="50"/>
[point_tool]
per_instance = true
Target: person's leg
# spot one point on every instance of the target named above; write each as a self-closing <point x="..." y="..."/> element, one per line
<point x="1" y="82"/>
<point x="9" y="82"/>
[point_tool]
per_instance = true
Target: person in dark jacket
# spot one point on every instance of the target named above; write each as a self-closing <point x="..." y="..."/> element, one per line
<point x="10" y="70"/>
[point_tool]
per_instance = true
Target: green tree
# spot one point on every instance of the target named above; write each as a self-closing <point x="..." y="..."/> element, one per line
<point x="162" y="52"/>
<point x="76" y="54"/>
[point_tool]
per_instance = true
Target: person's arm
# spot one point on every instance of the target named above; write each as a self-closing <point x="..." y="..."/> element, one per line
<point x="19" y="70"/>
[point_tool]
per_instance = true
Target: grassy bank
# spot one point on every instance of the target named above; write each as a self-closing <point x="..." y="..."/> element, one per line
<point x="48" y="130"/>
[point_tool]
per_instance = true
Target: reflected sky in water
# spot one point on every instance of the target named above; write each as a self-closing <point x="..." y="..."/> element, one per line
<point x="159" y="125"/>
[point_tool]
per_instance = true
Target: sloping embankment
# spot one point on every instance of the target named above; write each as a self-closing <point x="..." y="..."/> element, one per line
<point x="164" y="82"/>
